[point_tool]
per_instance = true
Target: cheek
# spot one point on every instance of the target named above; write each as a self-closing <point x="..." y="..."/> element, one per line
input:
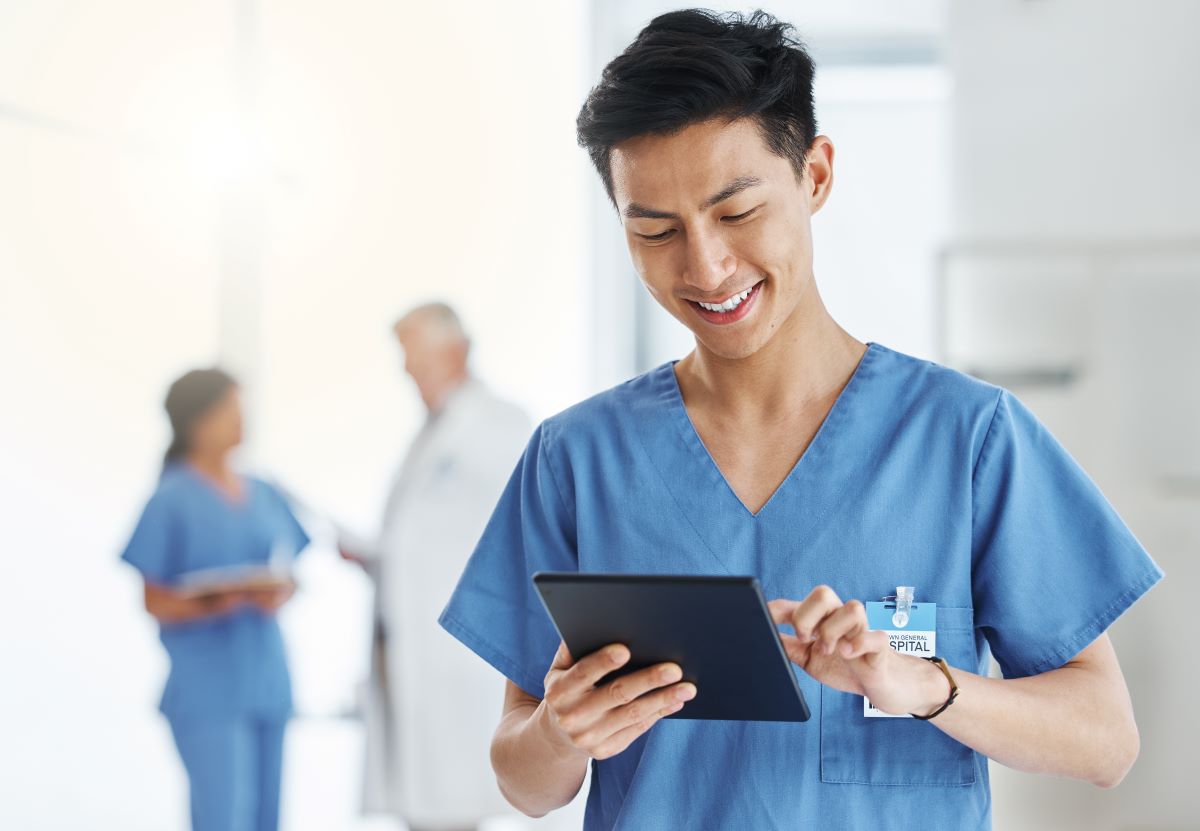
<point x="206" y="433"/>
<point x="655" y="267"/>
<point x="779" y="249"/>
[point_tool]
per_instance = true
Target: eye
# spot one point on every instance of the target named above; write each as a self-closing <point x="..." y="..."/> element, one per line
<point x="657" y="237"/>
<point x="741" y="216"/>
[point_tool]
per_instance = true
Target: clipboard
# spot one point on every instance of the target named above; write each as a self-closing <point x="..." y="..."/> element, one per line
<point x="242" y="577"/>
<point x="718" y="630"/>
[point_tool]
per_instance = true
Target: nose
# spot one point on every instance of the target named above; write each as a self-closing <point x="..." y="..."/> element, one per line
<point x="709" y="261"/>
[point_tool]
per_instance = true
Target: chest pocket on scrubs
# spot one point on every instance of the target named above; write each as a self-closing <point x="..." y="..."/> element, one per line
<point x="898" y="751"/>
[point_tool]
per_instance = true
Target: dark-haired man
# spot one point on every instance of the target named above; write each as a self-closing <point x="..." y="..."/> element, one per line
<point x="832" y="470"/>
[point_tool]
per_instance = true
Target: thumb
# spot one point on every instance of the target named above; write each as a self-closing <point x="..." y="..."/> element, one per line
<point x="562" y="658"/>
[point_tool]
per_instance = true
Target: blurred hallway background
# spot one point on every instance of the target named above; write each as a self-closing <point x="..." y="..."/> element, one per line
<point x="269" y="184"/>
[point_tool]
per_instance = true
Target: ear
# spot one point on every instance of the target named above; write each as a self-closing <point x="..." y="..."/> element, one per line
<point x="818" y="172"/>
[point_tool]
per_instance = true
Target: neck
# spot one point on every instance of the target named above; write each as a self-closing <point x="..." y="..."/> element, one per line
<point x="438" y="396"/>
<point x="809" y="359"/>
<point x="214" y="464"/>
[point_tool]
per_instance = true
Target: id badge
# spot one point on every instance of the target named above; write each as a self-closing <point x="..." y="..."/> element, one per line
<point x="915" y="636"/>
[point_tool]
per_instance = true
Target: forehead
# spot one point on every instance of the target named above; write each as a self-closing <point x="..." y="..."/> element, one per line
<point x="692" y="164"/>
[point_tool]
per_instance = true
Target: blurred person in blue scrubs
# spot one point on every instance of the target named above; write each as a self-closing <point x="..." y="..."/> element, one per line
<point x="228" y="694"/>
<point x="831" y="469"/>
<point x="427" y="744"/>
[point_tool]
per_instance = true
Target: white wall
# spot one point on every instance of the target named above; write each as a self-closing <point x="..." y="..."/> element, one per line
<point x="1075" y="118"/>
<point x="107" y="288"/>
<point x="1074" y="136"/>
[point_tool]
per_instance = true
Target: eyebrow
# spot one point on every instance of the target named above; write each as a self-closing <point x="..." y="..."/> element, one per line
<point x="741" y="183"/>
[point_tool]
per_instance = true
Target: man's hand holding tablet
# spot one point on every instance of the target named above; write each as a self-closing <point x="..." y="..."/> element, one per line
<point x="601" y="721"/>
<point x="649" y="645"/>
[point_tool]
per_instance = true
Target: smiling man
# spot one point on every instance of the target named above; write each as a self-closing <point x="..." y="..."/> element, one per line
<point x="831" y="469"/>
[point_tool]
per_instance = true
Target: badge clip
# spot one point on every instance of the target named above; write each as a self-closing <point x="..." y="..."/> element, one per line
<point x="903" y="598"/>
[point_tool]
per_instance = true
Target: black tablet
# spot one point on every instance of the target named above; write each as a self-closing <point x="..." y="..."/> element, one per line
<point x="717" y="629"/>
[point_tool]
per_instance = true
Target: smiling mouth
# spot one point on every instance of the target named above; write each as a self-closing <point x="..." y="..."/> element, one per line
<point x="729" y="310"/>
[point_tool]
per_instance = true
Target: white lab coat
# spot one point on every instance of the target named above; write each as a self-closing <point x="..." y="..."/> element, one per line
<point x="429" y="724"/>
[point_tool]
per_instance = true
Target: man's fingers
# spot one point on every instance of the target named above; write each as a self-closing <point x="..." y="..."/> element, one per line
<point x="782" y="609"/>
<point x="624" y="737"/>
<point x="646" y="708"/>
<point x="805" y="618"/>
<point x="562" y="658"/>
<point x="624" y="691"/>
<point x="563" y="683"/>
<point x="591" y="720"/>
<point x="580" y="677"/>
<point x="844" y="622"/>
<point x="796" y="651"/>
<point x="651" y="703"/>
<point x="866" y="642"/>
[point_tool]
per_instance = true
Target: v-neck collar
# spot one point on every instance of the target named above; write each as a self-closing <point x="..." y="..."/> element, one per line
<point x="808" y="463"/>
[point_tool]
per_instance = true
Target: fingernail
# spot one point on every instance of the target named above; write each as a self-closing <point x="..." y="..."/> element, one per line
<point x="671" y="673"/>
<point x="619" y="655"/>
<point x="685" y="693"/>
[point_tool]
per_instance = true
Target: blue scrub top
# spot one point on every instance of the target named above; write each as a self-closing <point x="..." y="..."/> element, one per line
<point x="232" y="665"/>
<point x="920" y="476"/>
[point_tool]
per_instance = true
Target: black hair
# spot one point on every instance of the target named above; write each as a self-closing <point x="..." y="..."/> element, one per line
<point x="191" y="396"/>
<point x="692" y="65"/>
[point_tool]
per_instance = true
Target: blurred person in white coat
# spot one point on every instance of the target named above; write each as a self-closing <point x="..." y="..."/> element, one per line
<point x="427" y="733"/>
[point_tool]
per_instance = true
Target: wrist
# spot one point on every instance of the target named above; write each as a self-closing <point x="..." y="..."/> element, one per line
<point x="549" y="733"/>
<point x="931" y="687"/>
<point x="951" y="683"/>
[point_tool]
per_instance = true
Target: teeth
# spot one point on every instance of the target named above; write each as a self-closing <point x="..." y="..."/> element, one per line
<point x="730" y="304"/>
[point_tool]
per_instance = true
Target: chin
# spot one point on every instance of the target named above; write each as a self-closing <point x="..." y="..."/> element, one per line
<point x="730" y="349"/>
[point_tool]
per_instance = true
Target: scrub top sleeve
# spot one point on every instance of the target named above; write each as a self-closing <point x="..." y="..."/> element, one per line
<point x="153" y="539"/>
<point x="1053" y="564"/>
<point x="495" y="610"/>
